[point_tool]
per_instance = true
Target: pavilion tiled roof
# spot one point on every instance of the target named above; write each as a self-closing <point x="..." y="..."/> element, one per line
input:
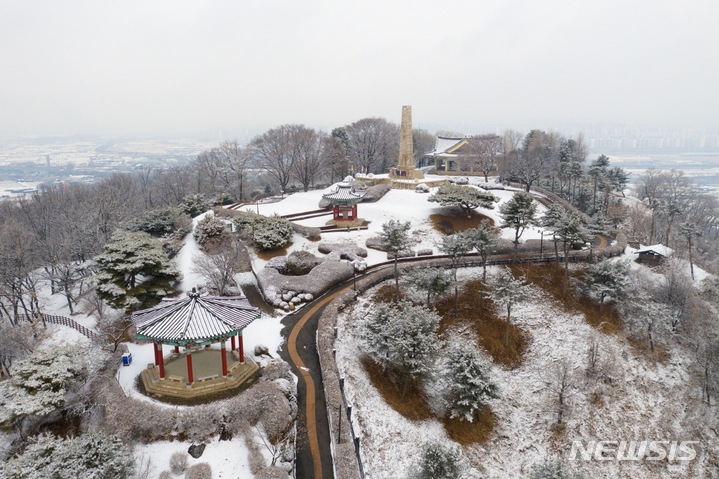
<point x="344" y="193"/>
<point x="195" y="318"/>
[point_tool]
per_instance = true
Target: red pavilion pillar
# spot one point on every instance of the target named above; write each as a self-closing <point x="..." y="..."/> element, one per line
<point x="160" y="360"/>
<point x="241" y="348"/>
<point x="177" y="349"/>
<point x="190" y="378"/>
<point x="232" y="342"/>
<point x="157" y="359"/>
<point x="223" y="350"/>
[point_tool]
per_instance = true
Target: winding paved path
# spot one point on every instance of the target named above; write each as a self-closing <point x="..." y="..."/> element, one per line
<point x="314" y="460"/>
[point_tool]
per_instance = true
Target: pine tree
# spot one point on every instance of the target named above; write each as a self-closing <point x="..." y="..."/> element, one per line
<point x="456" y="246"/>
<point x="508" y="291"/>
<point x="465" y="197"/>
<point x="437" y="462"/>
<point x="519" y="213"/>
<point x="134" y="270"/>
<point x="394" y="238"/>
<point x="402" y="337"/>
<point x="485" y="239"/>
<point x="432" y="280"/>
<point x="608" y="278"/>
<point x="470" y="383"/>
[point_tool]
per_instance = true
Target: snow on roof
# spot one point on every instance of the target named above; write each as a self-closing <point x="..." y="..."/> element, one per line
<point x="344" y="193"/>
<point x="656" y="249"/>
<point x="442" y="144"/>
<point x="194" y="318"/>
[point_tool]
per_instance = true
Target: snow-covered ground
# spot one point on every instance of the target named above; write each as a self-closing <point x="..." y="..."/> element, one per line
<point x="400" y="205"/>
<point x="639" y="400"/>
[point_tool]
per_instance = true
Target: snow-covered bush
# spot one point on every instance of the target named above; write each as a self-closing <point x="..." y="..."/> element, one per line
<point x="266" y="232"/>
<point x="422" y="188"/>
<point x="89" y="455"/>
<point x="301" y="262"/>
<point x="178" y="463"/>
<point x="201" y="470"/>
<point x="194" y="205"/>
<point x="165" y="475"/>
<point x="437" y="462"/>
<point x="210" y="228"/>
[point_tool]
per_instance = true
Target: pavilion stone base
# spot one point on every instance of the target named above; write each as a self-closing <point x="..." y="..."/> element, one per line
<point x="345" y="223"/>
<point x="175" y="385"/>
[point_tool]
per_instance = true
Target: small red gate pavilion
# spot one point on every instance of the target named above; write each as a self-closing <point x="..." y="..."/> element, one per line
<point x="344" y="201"/>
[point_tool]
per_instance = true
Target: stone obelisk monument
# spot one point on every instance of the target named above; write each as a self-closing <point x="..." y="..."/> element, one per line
<point x="406" y="169"/>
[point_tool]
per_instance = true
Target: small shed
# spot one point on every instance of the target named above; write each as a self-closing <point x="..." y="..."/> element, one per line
<point x="653" y="255"/>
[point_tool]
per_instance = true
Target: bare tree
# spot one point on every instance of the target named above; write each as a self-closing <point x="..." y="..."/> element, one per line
<point x="220" y="266"/>
<point x="535" y="159"/>
<point x="276" y="151"/>
<point x="562" y="384"/>
<point x="308" y="165"/>
<point x="489" y="149"/>
<point x="373" y="144"/>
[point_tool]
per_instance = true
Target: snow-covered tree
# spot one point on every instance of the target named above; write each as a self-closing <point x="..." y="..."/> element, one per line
<point x="456" y="246"/>
<point x="607" y="278"/>
<point x="508" y="291"/>
<point x="519" y="213"/>
<point x="465" y="197"/>
<point x="689" y="231"/>
<point x="209" y="229"/>
<point x="134" y="270"/>
<point x="570" y="232"/>
<point x="91" y="455"/>
<point x="432" y="280"/>
<point x="402" y="337"/>
<point x="16" y="342"/>
<point x="394" y="238"/>
<point x="469" y="378"/>
<point x="676" y="290"/>
<point x="40" y="382"/>
<point x="485" y="239"/>
<point x="161" y="221"/>
<point x="437" y="462"/>
<point x="219" y="267"/>
<point x="194" y="205"/>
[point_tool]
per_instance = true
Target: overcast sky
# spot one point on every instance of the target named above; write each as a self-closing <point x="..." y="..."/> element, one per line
<point x="182" y="66"/>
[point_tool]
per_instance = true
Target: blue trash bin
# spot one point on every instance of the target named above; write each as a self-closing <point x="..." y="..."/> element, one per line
<point x="126" y="359"/>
